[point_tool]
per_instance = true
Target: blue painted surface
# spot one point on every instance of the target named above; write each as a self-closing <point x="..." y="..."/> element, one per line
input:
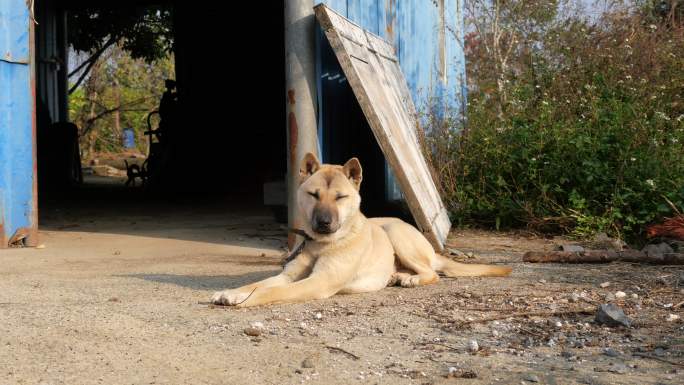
<point x="413" y="27"/>
<point x="128" y="138"/>
<point x="14" y="33"/>
<point x="16" y="120"/>
<point x="417" y="29"/>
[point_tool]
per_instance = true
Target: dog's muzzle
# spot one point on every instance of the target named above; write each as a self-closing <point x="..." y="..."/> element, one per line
<point x="323" y="223"/>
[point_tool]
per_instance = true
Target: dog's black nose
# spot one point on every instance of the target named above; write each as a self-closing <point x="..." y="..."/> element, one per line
<point x="323" y="222"/>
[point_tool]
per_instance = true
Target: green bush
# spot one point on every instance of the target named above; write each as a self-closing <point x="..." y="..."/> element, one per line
<point x="588" y="139"/>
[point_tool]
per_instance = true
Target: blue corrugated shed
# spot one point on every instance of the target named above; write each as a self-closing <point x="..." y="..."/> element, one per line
<point x="426" y="35"/>
<point x="17" y="157"/>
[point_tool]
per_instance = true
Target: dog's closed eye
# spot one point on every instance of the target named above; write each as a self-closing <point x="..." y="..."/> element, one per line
<point x="313" y="194"/>
<point x="340" y="196"/>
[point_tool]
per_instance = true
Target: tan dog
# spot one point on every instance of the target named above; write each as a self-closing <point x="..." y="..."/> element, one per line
<point x="348" y="253"/>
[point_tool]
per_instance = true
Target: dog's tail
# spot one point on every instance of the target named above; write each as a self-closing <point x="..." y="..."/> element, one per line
<point x="455" y="269"/>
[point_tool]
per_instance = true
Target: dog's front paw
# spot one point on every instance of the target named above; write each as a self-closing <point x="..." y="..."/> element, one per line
<point x="409" y="281"/>
<point x="229" y="297"/>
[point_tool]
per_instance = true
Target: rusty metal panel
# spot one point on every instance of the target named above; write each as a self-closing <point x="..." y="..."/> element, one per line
<point x="374" y="74"/>
<point x="17" y="126"/>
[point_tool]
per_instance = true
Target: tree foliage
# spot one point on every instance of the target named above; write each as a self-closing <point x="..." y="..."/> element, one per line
<point x="580" y="128"/>
<point x="119" y="93"/>
<point x="146" y="33"/>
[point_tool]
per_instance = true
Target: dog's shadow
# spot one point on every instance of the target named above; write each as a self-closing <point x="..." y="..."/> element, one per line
<point x="206" y="282"/>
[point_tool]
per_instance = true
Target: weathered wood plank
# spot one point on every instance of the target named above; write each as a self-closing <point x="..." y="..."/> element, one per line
<point x="371" y="66"/>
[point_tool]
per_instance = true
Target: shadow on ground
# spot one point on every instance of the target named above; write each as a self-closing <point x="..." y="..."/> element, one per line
<point x="205" y="282"/>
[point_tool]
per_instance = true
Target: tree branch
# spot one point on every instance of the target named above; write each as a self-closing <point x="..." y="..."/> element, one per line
<point x="91" y="62"/>
<point x="90" y="122"/>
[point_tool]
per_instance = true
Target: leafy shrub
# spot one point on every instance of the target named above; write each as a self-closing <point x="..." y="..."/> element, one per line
<point x="588" y="138"/>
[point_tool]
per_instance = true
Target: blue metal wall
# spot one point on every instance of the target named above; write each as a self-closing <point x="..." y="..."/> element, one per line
<point x="17" y="157"/>
<point x="427" y="36"/>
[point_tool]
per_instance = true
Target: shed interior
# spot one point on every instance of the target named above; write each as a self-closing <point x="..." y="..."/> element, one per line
<point x="231" y="136"/>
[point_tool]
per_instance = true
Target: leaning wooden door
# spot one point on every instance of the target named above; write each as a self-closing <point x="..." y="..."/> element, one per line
<point x="373" y="71"/>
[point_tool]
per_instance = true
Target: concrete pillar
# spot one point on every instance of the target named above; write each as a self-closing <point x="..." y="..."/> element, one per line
<point x="300" y="86"/>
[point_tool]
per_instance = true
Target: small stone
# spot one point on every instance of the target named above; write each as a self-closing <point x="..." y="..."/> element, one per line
<point x="672" y="317"/>
<point x="605" y="284"/>
<point x="610" y="297"/>
<point x="566" y="354"/>
<point x="610" y="352"/>
<point x="659" y="352"/>
<point x="612" y="315"/>
<point x="618" y="368"/>
<point x="255" y="329"/>
<point x="657" y="249"/>
<point x="572" y="248"/>
<point x="542" y="281"/>
<point x="558" y="324"/>
<point x="308" y="363"/>
<point x="574" y="297"/>
<point x="620" y="294"/>
<point x="531" y="377"/>
<point x="459" y="373"/>
<point x="318" y="316"/>
<point x="254" y="332"/>
<point x="529" y="342"/>
<point x="495" y="333"/>
<point x="473" y="346"/>
<point x="634" y="296"/>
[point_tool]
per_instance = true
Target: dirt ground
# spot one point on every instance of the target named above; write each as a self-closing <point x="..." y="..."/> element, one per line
<point x="121" y="299"/>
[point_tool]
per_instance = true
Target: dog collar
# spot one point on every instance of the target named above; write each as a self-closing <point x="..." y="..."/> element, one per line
<point x="302" y="233"/>
<point x="299" y="248"/>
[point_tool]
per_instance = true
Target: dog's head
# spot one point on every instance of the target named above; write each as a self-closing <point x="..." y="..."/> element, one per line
<point x="328" y="197"/>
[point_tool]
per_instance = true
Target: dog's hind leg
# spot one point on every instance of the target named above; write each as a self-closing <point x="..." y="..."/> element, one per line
<point x="414" y="253"/>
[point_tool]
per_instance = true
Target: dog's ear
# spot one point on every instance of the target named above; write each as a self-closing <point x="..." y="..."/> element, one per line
<point x="309" y="166"/>
<point x="352" y="169"/>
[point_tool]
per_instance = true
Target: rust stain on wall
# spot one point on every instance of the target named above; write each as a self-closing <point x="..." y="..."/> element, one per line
<point x="291" y="239"/>
<point x="390" y="13"/>
<point x="3" y="237"/>
<point x="442" y="70"/>
<point x="20" y="237"/>
<point x="294" y="132"/>
<point x="293" y="129"/>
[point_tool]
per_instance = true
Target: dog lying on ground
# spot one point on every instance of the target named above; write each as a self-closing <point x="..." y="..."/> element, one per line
<point x="347" y="252"/>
